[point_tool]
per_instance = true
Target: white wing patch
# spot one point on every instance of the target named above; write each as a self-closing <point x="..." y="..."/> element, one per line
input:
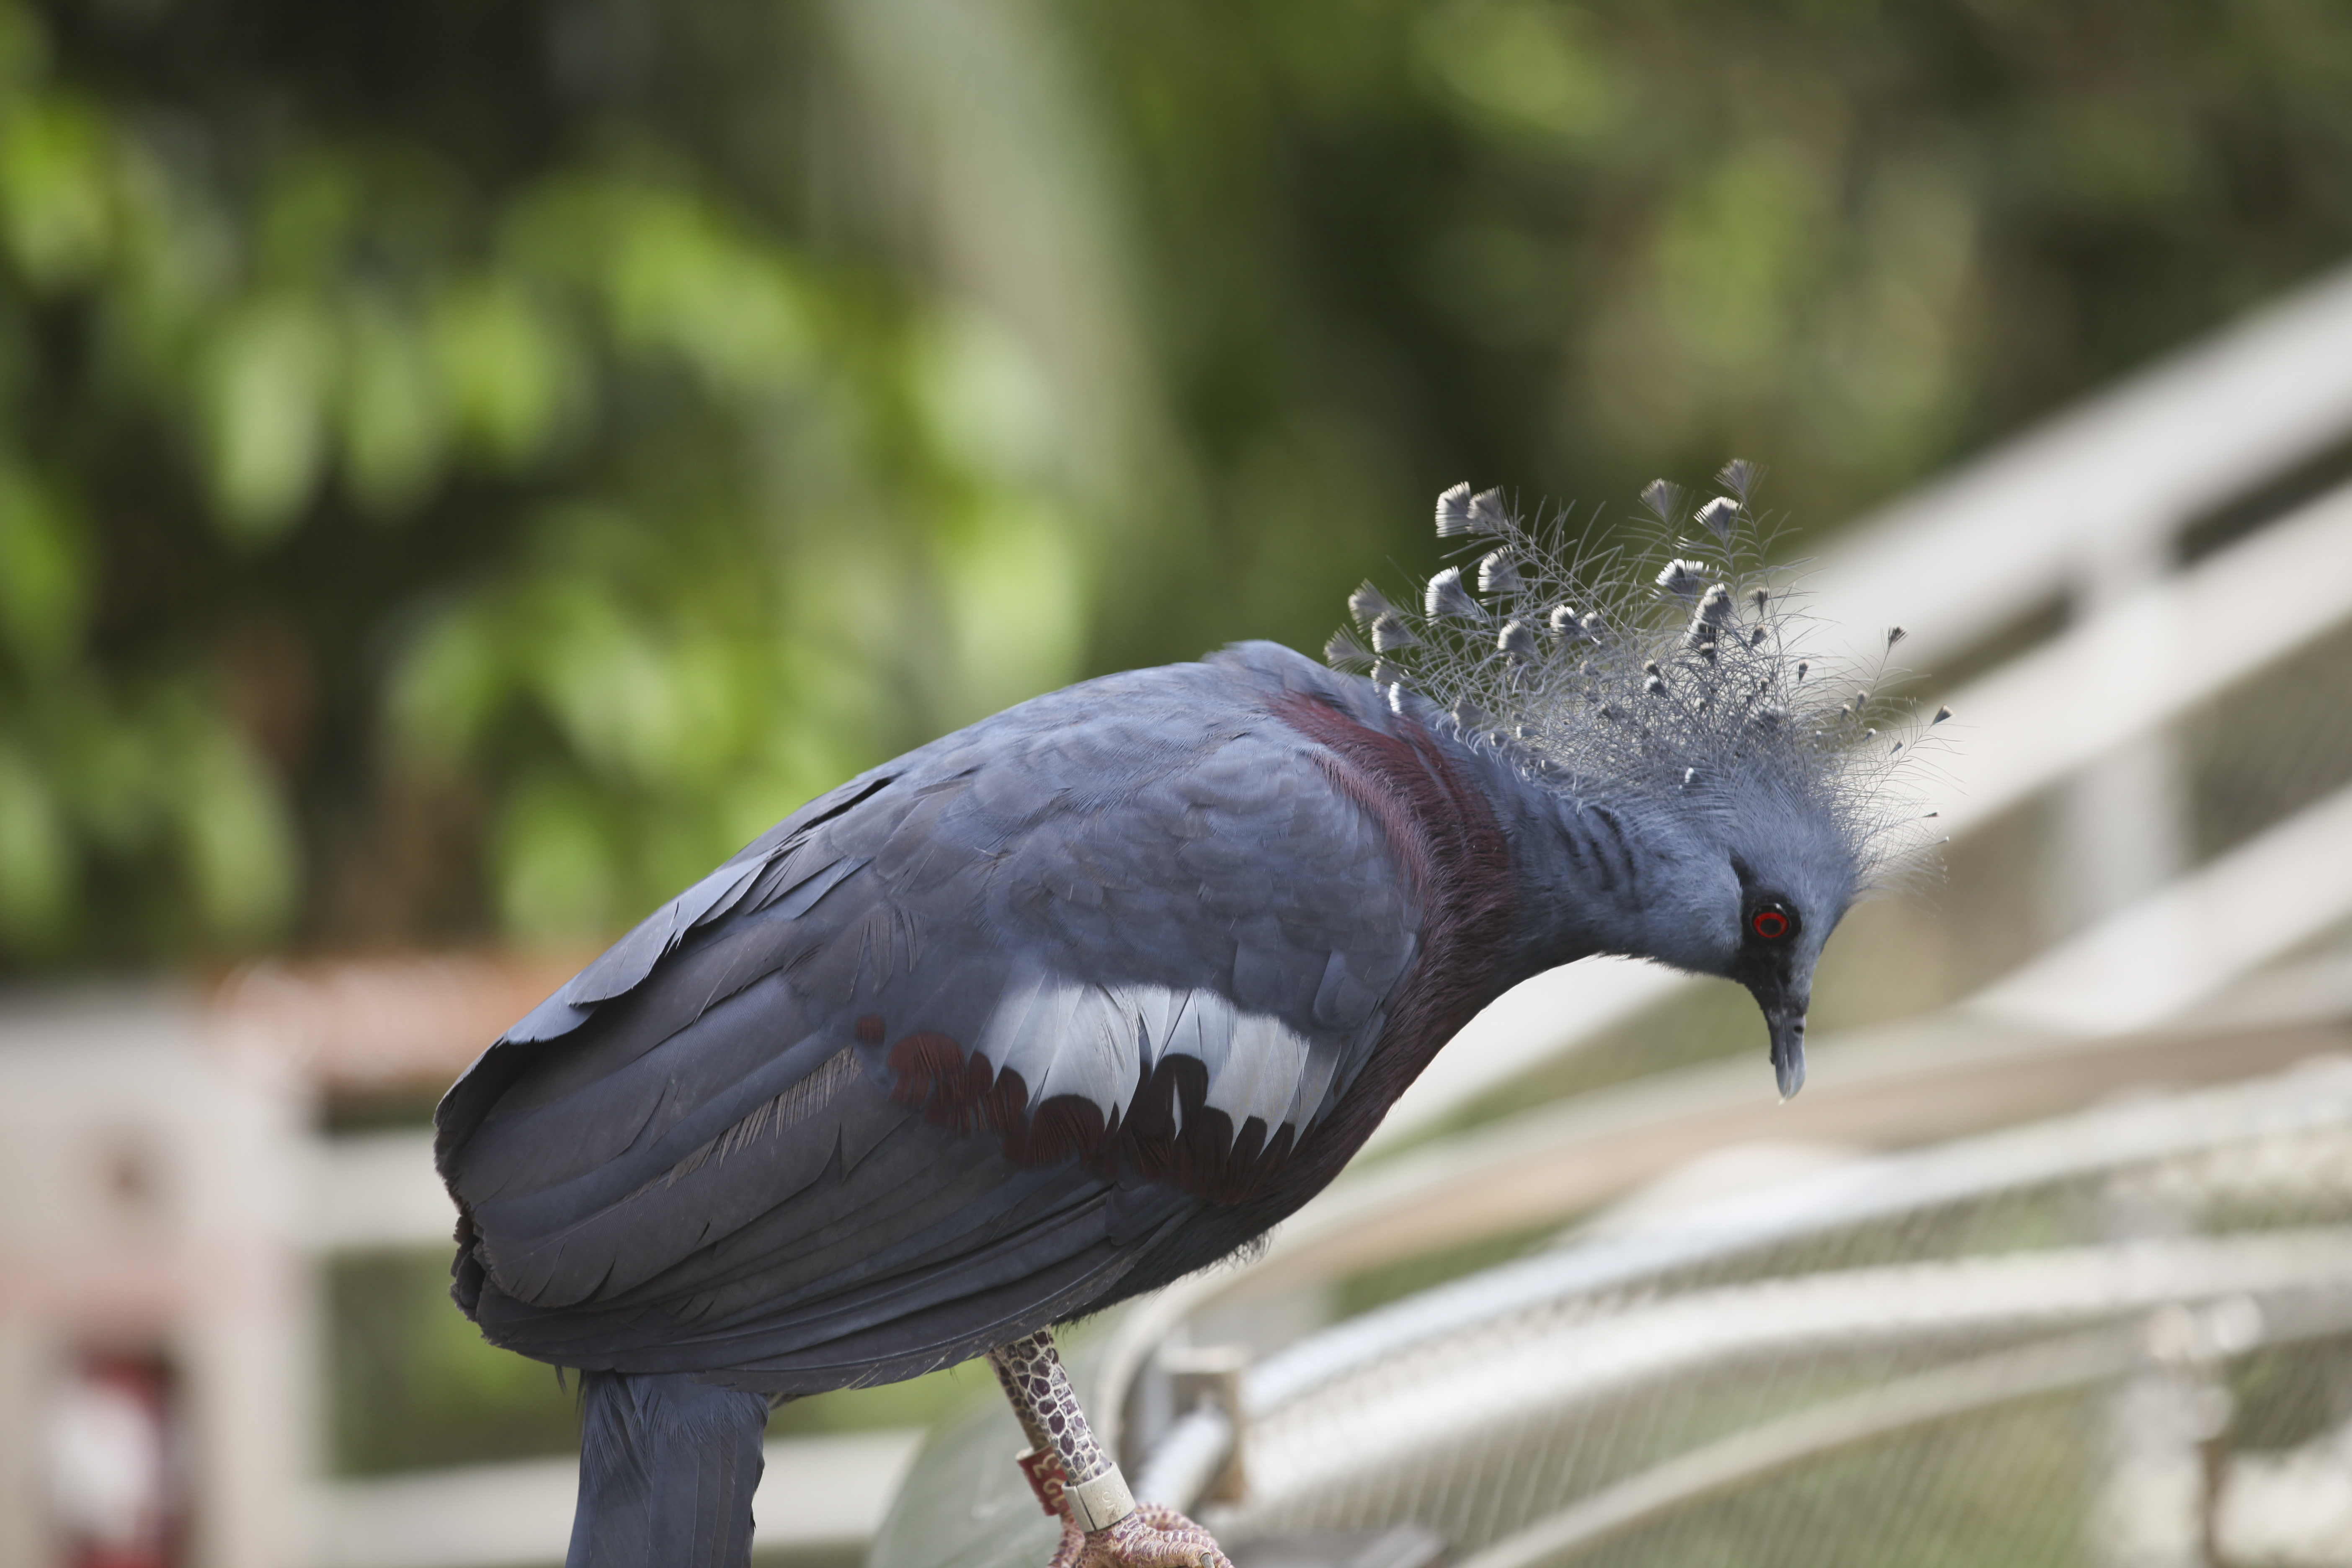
<point x="1065" y="1037"/>
<point x="1260" y="1075"/>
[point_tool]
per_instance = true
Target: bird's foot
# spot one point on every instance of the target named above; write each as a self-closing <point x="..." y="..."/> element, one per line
<point x="1153" y="1536"/>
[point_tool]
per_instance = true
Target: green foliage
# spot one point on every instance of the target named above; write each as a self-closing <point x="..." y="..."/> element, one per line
<point x="466" y="470"/>
<point x="1570" y="245"/>
<point x="582" y="512"/>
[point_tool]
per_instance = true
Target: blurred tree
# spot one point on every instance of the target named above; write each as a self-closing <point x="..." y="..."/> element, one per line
<point x="465" y="469"/>
<point x="1571" y="244"/>
<point x="438" y="488"/>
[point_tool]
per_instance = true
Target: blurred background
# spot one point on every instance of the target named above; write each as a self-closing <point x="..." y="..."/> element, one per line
<point x="465" y="469"/>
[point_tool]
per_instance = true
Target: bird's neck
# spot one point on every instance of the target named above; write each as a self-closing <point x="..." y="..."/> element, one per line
<point x="1589" y="873"/>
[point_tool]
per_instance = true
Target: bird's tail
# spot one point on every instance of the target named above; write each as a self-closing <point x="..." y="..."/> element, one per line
<point x="667" y="1470"/>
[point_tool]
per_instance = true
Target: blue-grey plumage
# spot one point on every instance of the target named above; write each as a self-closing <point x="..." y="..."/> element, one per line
<point x="1070" y="1002"/>
<point x="668" y="1468"/>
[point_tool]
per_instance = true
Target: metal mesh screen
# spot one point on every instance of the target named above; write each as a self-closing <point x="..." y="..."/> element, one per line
<point x="2125" y="1337"/>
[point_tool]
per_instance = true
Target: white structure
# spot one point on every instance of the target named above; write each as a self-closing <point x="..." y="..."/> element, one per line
<point x="171" y="1199"/>
<point x="157" y="1361"/>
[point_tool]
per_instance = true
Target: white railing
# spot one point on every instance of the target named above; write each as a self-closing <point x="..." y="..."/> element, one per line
<point x="823" y="1494"/>
<point x="1445" y="1369"/>
<point x="2101" y="490"/>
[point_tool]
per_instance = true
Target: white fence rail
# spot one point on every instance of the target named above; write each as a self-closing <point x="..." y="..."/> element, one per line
<point x="817" y="1495"/>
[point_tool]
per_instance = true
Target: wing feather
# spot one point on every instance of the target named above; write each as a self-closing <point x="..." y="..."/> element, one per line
<point x="758" y="1133"/>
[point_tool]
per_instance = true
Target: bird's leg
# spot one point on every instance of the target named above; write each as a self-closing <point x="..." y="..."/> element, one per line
<point x="1102" y="1524"/>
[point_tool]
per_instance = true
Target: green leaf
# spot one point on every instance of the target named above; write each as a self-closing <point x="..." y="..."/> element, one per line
<point x="987" y="404"/>
<point x="56" y="214"/>
<point x="1014" y="592"/>
<point x="23" y="47"/>
<point x="36" y="860"/>
<point x="448" y="683"/>
<point x="1524" y="64"/>
<point x="680" y="281"/>
<point x="555" y="872"/>
<point x="601" y="676"/>
<point x="264" y="412"/>
<point x="395" y="427"/>
<point x="118" y="769"/>
<point x="236" y="837"/>
<point x="306" y="223"/>
<point x="43" y="572"/>
<point x="510" y="373"/>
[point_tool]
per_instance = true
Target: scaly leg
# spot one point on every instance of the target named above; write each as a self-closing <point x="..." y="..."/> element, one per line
<point x="1102" y="1524"/>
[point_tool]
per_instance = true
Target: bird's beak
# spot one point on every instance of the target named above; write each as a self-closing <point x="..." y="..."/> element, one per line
<point x="1785" y="1017"/>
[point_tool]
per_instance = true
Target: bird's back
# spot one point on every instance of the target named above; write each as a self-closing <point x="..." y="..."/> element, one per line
<point x="1047" y="1012"/>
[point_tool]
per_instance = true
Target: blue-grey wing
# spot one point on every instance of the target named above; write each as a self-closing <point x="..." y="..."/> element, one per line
<point x="942" y="1056"/>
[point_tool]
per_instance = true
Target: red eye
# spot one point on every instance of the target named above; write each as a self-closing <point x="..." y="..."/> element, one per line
<point x="1770" y="924"/>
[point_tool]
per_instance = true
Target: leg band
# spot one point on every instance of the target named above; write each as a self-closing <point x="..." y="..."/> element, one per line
<point x="1102" y="1502"/>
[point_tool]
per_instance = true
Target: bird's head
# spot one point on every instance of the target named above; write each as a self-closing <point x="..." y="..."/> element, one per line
<point x="1752" y="897"/>
<point x="1755" y="784"/>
